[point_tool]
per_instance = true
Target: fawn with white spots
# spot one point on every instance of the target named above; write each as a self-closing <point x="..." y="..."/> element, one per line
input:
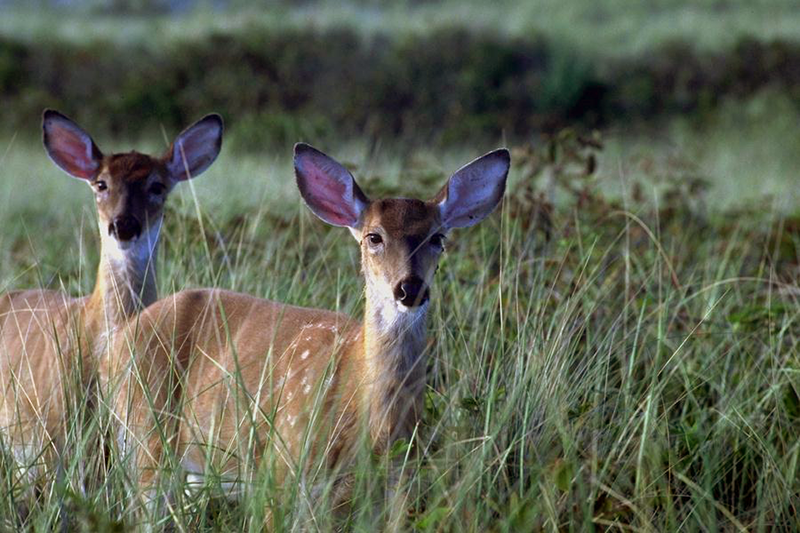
<point x="264" y="381"/>
<point x="49" y="341"/>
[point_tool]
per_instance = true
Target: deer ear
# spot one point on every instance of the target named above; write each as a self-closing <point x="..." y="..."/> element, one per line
<point x="195" y="148"/>
<point x="69" y="147"/>
<point x="329" y="190"/>
<point x="474" y="190"/>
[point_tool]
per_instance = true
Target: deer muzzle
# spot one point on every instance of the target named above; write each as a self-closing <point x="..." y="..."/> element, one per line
<point x="125" y="228"/>
<point x="411" y="292"/>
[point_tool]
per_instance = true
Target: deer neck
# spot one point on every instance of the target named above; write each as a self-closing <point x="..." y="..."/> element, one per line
<point x="126" y="281"/>
<point x="395" y="366"/>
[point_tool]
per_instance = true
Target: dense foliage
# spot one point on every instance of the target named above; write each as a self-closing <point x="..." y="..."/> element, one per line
<point x="446" y="86"/>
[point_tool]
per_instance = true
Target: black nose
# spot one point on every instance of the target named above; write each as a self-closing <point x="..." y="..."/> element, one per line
<point x="411" y="292"/>
<point x="125" y="228"/>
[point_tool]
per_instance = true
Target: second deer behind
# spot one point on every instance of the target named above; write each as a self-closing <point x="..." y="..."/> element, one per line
<point x="50" y="341"/>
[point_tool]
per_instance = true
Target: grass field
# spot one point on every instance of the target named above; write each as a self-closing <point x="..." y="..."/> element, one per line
<point x="618" y="347"/>
<point x="623" y="361"/>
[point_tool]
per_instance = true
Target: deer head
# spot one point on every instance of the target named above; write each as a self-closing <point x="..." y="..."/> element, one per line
<point x="401" y="239"/>
<point x="130" y="188"/>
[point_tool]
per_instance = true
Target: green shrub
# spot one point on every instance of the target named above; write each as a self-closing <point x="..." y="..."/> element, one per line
<point x="445" y="86"/>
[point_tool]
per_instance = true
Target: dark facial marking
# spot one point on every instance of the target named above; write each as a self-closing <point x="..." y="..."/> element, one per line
<point x="412" y="291"/>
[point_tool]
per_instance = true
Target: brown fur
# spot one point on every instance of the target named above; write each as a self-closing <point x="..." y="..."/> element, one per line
<point x="50" y="343"/>
<point x="232" y="384"/>
<point x="48" y="339"/>
<point x="286" y="364"/>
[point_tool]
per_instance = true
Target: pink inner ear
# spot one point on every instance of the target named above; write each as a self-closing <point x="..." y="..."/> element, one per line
<point x="475" y="190"/>
<point x="330" y="197"/>
<point x="71" y="151"/>
<point x="200" y="147"/>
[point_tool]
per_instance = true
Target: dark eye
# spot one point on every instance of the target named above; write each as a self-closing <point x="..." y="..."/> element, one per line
<point x="437" y="240"/>
<point x="157" y="189"/>
<point x="374" y="238"/>
<point x="101" y="186"/>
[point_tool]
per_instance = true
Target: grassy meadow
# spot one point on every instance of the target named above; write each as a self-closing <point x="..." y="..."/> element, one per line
<point x="616" y="348"/>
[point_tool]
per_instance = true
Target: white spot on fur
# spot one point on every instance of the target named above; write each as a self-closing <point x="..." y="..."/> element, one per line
<point x="304" y="355"/>
<point x="193" y="483"/>
<point x="195" y="479"/>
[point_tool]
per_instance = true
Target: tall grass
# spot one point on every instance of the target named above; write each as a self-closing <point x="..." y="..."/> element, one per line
<point x="595" y="361"/>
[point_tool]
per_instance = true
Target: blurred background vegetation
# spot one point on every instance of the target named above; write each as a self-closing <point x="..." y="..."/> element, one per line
<point x="716" y="80"/>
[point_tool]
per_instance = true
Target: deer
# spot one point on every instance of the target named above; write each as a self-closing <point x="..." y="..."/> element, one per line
<point x="50" y="342"/>
<point x="249" y="380"/>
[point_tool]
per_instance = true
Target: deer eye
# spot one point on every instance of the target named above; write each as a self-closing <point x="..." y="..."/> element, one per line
<point x="374" y="239"/>
<point x="157" y="189"/>
<point x="437" y="240"/>
<point x="101" y="186"/>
